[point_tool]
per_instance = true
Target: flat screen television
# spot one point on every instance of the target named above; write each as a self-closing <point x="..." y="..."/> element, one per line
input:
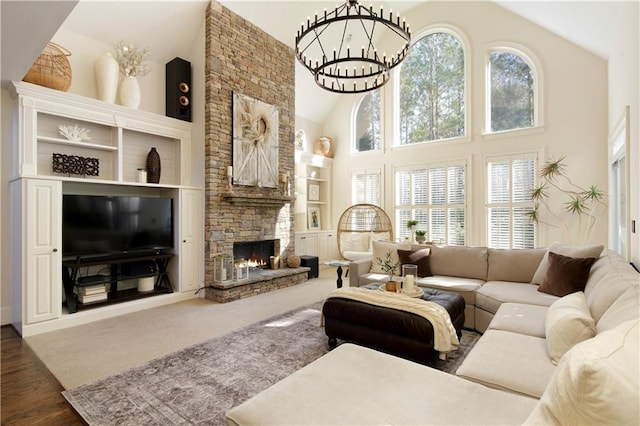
<point x="94" y="225"/>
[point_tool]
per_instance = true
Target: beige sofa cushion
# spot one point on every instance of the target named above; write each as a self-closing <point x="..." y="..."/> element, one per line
<point x="513" y="265"/>
<point x="509" y="361"/>
<point x="615" y="277"/>
<point x="568" y="322"/>
<point x="380" y="250"/>
<point x="625" y="308"/>
<point x="596" y="382"/>
<point x="353" y="385"/>
<point x="565" y="250"/>
<point x="492" y="294"/>
<point x="459" y="261"/>
<point x="520" y="318"/>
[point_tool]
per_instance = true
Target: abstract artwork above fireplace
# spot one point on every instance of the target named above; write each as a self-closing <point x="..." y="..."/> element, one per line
<point x="255" y="142"/>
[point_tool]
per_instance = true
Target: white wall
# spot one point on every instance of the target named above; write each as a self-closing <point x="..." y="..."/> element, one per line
<point x="624" y="89"/>
<point x="575" y="113"/>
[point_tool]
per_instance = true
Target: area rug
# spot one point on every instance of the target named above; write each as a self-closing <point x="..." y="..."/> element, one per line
<point x="198" y="384"/>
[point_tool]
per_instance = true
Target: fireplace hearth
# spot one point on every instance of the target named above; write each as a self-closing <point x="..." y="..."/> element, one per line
<point x="256" y="253"/>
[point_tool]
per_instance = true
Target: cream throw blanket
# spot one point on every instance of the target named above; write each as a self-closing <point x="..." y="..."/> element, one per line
<point x="445" y="338"/>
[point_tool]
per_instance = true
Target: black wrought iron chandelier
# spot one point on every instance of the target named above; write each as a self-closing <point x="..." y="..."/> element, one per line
<point x="339" y="47"/>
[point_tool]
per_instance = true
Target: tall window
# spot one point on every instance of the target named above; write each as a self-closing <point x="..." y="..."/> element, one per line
<point x="510" y="181"/>
<point x="512" y="86"/>
<point x="366" y="187"/>
<point x="435" y="196"/>
<point x="368" y="126"/>
<point x="432" y="90"/>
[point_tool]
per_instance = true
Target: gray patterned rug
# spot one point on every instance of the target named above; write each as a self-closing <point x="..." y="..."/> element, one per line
<point x="197" y="385"/>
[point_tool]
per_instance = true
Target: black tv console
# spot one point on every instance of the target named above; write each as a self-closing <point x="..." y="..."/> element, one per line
<point x="71" y="279"/>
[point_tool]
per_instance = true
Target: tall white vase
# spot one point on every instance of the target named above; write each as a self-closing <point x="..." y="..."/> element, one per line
<point x="106" y="69"/>
<point x="129" y="92"/>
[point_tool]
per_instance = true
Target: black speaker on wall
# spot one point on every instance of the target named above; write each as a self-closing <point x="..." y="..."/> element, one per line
<point x="178" y="85"/>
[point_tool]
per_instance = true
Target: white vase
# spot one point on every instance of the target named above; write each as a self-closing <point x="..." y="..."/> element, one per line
<point x="129" y="92"/>
<point x="106" y="69"/>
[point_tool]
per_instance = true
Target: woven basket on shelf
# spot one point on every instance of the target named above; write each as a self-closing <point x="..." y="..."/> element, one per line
<point x="52" y="68"/>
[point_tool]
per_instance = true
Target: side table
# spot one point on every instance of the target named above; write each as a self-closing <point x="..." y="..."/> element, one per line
<point x="339" y="264"/>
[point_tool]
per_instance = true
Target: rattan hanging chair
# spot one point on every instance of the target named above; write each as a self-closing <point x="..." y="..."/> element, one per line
<point x="358" y="225"/>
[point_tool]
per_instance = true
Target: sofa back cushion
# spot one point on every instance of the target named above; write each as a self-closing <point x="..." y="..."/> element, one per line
<point x="567" y="323"/>
<point x="596" y="382"/>
<point x="459" y="261"/>
<point x="565" y="250"/>
<point x="516" y="265"/>
<point x="610" y="276"/>
<point x="625" y="308"/>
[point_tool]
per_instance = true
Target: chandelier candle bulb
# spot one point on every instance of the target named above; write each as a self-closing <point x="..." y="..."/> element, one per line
<point x="229" y="171"/>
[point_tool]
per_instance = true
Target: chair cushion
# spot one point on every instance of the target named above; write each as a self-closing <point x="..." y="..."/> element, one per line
<point x="568" y="322"/>
<point x="595" y="383"/>
<point x="566" y="274"/>
<point x="420" y="258"/>
<point x="565" y="250"/>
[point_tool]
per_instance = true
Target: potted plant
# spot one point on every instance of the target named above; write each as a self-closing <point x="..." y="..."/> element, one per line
<point x="390" y="267"/>
<point x="410" y="225"/>
<point x="421" y="236"/>
<point x="586" y="205"/>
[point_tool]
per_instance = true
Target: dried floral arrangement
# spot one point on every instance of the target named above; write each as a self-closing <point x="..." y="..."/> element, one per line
<point x="131" y="59"/>
<point x="74" y="133"/>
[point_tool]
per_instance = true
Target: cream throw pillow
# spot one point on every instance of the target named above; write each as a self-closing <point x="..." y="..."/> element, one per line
<point x="565" y="250"/>
<point x="354" y="241"/>
<point x="568" y="323"/>
<point x="378" y="236"/>
<point x="380" y="250"/>
<point x="595" y="383"/>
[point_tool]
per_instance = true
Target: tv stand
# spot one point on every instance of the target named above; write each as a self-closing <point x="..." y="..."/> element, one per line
<point x="71" y="280"/>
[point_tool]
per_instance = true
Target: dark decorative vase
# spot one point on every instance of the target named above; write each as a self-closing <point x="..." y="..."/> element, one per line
<point x="153" y="166"/>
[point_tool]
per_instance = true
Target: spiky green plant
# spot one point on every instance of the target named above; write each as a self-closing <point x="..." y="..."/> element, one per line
<point x="585" y="205"/>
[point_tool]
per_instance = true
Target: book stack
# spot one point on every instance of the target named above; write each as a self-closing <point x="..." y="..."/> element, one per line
<point x="92" y="293"/>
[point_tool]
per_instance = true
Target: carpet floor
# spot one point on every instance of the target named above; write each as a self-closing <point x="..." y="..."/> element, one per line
<point x="198" y="384"/>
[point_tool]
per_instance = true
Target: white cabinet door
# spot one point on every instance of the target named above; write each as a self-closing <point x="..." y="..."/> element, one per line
<point x="190" y="240"/>
<point x="307" y="245"/>
<point x="42" y="210"/>
<point x="327" y="246"/>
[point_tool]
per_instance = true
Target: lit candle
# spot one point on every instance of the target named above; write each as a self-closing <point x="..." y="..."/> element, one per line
<point x="230" y="171"/>
<point x="409" y="282"/>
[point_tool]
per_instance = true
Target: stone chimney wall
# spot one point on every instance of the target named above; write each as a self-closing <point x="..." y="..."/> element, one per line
<point x="242" y="58"/>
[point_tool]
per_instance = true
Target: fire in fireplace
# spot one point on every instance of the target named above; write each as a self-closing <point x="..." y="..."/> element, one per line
<point x="256" y="253"/>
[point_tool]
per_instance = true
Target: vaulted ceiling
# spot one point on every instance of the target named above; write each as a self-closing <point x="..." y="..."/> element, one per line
<point x="169" y="27"/>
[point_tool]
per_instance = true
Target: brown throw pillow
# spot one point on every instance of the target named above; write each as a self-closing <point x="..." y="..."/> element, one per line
<point x="417" y="257"/>
<point x="565" y="274"/>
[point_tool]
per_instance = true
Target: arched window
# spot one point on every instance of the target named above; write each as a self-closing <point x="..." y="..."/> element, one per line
<point x="432" y="90"/>
<point x="512" y="98"/>
<point x="368" y="123"/>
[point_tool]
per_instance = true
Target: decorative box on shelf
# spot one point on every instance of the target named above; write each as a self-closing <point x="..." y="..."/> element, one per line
<point x="222" y="267"/>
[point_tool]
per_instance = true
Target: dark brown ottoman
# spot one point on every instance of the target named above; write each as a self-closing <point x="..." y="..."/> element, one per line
<point x="389" y="330"/>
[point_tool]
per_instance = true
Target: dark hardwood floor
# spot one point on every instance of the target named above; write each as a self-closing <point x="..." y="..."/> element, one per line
<point x="30" y="393"/>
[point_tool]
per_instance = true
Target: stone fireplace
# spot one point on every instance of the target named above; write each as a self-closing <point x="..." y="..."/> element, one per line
<point x="242" y="58"/>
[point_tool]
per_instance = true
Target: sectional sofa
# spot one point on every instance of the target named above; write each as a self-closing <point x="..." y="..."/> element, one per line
<point x="542" y="359"/>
